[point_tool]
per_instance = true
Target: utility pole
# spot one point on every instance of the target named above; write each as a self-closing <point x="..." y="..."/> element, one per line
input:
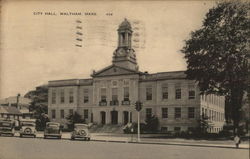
<point x="17" y="100"/>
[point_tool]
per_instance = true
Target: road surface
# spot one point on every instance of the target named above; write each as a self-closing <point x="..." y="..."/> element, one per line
<point x="39" y="148"/>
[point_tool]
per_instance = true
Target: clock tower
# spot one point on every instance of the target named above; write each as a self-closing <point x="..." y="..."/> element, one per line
<point x="124" y="56"/>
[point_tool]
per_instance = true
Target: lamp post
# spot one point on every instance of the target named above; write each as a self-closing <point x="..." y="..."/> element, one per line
<point x="138" y="107"/>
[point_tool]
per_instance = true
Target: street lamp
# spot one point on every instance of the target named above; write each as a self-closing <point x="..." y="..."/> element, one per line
<point x="138" y="107"/>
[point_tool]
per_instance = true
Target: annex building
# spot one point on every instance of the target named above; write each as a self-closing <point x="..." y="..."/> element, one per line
<point x="109" y="96"/>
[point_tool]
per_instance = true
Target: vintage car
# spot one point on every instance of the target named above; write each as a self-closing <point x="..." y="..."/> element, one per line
<point x="53" y="129"/>
<point x="7" y="127"/>
<point x="80" y="131"/>
<point x="28" y="127"/>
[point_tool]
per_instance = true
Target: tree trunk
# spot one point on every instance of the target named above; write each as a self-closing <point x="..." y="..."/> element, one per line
<point x="236" y="103"/>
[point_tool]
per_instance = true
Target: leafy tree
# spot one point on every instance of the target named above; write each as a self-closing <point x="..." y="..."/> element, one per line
<point x="41" y="121"/>
<point x="73" y="119"/>
<point x="152" y="124"/>
<point x="203" y="124"/>
<point x="39" y="105"/>
<point x="217" y="54"/>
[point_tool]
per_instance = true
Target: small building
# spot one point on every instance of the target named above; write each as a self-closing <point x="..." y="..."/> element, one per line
<point x="9" y="109"/>
<point x="109" y="96"/>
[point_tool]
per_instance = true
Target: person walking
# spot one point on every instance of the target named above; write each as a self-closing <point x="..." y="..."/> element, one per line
<point x="237" y="141"/>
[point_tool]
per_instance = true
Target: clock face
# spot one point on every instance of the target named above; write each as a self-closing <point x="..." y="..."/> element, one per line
<point x="121" y="52"/>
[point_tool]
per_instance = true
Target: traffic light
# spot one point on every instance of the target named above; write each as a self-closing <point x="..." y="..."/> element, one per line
<point x="138" y="106"/>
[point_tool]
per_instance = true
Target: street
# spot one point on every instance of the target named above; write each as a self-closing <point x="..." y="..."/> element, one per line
<point x="39" y="148"/>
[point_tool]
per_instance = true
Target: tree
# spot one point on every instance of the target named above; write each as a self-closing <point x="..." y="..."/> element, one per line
<point x="73" y="119"/>
<point x="39" y="105"/>
<point x="152" y="124"/>
<point x="41" y="121"/>
<point x="203" y="124"/>
<point x="217" y="54"/>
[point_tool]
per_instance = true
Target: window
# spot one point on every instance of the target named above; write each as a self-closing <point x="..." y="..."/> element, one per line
<point x="148" y="113"/>
<point x="85" y="96"/>
<point x="114" y="94"/>
<point x="191" y="94"/>
<point x="130" y="120"/>
<point x="53" y="114"/>
<point x="53" y="100"/>
<point x="164" y="92"/>
<point x="164" y="112"/>
<point x="103" y="95"/>
<point x="191" y="91"/>
<point x="62" y="114"/>
<point x="126" y="93"/>
<point x="149" y="93"/>
<point x="86" y="113"/>
<point x="164" y="129"/>
<point x="62" y="98"/>
<point x="114" y="83"/>
<point x="178" y="129"/>
<point x="92" y="118"/>
<point x="71" y="96"/>
<point x="177" y="113"/>
<point x="70" y="111"/>
<point x="178" y="93"/>
<point x="191" y="112"/>
<point x="126" y="82"/>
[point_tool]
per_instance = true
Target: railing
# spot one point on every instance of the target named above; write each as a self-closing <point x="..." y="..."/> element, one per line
<point x="115" y="102"/>
<point x="103" y="103"/>
<point x="126" y="102"/>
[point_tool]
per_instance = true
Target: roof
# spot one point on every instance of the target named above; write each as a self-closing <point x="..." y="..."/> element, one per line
<point x="13" y="99"/>
<point x="70" y="82"/>
<point x="9" y="110"/>
<point x="114" y="70"/>
<point x="163" y="76"/>
<point x="125" y="25"/>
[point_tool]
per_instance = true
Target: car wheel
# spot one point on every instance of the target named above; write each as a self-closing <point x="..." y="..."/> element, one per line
<point x="88" y="139"/>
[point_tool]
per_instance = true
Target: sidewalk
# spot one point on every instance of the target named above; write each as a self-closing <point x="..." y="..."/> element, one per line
<point x="128" y="138"/>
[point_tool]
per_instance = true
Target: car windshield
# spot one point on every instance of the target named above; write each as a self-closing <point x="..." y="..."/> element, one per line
<point x="53" y="125"/>
<point x="5" y="124"/>
<point x="80" y="126"/>
<point x="28" y="124"/>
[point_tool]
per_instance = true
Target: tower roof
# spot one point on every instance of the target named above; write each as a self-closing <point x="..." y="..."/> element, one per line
<point x="125" y="25"/>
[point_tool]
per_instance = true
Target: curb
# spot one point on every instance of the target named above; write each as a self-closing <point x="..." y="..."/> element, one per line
<point x="176" y="144"/>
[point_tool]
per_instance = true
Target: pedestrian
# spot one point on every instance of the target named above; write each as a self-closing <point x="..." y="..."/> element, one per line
<point x="237" y="141"/>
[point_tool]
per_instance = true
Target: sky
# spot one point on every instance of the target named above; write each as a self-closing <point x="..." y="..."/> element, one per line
<point x="38" y="38"/>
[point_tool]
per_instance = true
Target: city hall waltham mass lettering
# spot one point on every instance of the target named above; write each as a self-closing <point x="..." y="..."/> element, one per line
<point x="109" y="96"/>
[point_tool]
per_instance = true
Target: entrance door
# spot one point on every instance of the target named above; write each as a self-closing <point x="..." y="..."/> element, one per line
<point x="103" y="118"/>
<point x="114" y="117"/>
<point x="125" y="117"/>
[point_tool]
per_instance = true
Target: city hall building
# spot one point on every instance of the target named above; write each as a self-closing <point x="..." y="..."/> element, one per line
<point x="109" y="96"/>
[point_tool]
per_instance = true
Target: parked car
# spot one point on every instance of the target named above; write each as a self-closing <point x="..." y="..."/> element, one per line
<point x="28" y="127"/>
<point x="81" y="131"/>
<point x="53" y="129"/>
<point x="7" y="127"/>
